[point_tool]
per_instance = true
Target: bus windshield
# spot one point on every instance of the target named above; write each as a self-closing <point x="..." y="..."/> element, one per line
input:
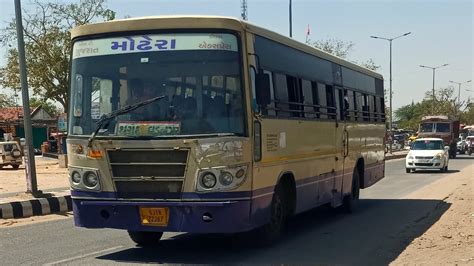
<point x="199" y="75"/>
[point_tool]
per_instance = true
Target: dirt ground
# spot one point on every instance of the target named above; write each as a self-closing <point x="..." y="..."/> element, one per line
<point x="450" y="241"/>
<point x="49" y="176"/>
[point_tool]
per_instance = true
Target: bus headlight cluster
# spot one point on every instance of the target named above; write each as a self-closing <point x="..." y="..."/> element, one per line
<point x="221" y="178"/>
<point x="85" y="179"/>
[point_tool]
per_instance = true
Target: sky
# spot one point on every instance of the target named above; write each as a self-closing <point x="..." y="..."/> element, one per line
<point x="441" y="33"/>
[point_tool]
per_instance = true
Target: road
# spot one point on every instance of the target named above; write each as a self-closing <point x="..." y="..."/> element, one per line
<point x="384" y="225"/>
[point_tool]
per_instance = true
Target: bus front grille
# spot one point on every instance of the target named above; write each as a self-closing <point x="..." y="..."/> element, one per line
<point x="148" y="173"/>
<point x="148" y="189"/>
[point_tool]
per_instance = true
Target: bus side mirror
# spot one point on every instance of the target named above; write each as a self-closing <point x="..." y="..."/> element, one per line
<point x="262" y="89"/>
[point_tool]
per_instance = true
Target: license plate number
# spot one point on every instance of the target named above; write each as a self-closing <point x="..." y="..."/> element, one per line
<point x="154" y="216"/>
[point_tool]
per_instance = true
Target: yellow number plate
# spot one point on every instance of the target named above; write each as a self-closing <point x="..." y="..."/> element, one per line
<point x="154" y="216"/>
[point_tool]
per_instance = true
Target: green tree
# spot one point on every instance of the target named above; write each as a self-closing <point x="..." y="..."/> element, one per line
<point x="47" y="45"/>
<point x="444" y="103"/>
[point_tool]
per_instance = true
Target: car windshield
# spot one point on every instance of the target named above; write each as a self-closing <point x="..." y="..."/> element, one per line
<point x="199" y="75"/>
<point x="428" y="145"/>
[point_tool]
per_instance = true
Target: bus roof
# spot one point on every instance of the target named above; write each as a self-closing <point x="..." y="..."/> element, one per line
<point x="213" y="22"/>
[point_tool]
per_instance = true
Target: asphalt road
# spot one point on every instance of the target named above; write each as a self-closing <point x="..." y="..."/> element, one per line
<point x="376" y="234"/>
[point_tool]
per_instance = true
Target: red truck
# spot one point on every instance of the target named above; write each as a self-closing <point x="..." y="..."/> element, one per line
<point x="440" y="126"/>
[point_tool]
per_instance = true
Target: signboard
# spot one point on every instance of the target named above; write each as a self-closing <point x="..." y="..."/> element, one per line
<point x="154" y="43"/>
<point x="138" y="128"/>
<point x="62" y="123"/>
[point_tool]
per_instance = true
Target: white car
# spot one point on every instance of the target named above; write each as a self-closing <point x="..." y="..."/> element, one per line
<point x="427" y="153"/>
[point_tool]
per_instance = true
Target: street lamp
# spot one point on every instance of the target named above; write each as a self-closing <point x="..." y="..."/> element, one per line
<point x="459" y="90"/>
<point x="433" y="68"/>
<point x="390" y="93"/>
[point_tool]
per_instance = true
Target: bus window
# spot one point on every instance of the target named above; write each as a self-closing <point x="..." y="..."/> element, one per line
<point x="294" y="95"/>
<point x="331" y="103"/>
<point x="315" y="94"/>
<point x="281" y="95"/>
<point x="322" y="100"/>
<point x="308" y="99"/>
<point x="100" y="97"/>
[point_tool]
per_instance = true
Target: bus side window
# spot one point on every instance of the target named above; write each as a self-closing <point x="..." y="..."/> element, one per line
<point x="294" y="95"/>
<point x="322" y="100"/>
<point x="315" y="95"/>
<point x="281" y="95"/>
<point x="331" y="103"/>
<point x="308" y="99"/>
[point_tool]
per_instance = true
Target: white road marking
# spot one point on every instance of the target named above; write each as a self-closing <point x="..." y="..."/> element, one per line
<point x="82" y="256"/>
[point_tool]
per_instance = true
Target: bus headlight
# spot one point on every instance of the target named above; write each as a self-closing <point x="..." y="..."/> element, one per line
<point x="90" y="179"/>
<point x="208" y="180"/>
<point x="84" y="178"/>
<point x="221" y="178"/>
<point x="226" y="178"/>
<point x="76" y="177"/>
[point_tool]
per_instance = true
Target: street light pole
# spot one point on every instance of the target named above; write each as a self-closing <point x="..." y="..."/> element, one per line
<point x="390" y="121"/>
<point x="459" y="90"/>
<point x="434" y="97"/>
<point x="291" y="20"/>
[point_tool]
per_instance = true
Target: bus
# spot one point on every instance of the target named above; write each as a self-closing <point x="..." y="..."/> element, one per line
<point x="213" y="125"/>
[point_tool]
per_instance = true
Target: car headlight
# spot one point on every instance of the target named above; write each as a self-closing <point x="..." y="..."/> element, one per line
<point x="208" y="180"/>
<point x="226" y="178"/>
<point x="410" y="157"/>
<point x="90" y="179"/>
<point x="76" y="177"/>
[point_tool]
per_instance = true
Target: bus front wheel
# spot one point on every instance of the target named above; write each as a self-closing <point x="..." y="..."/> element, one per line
<point x="271" y="232"/>
<point x="145" y="238"/>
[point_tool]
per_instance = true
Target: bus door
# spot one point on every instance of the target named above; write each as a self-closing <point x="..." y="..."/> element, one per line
<point x="342" y="145"/>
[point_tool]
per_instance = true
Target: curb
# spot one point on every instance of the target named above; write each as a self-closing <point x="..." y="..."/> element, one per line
<point x="41" y="206"/>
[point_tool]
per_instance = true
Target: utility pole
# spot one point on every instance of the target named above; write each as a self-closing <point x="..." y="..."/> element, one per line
<point x="244" y="10"/>
<point x="31" y="185"/>
<point x="291" y="21"/>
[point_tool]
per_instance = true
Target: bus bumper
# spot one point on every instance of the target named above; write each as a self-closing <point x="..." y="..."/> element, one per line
<point x="192" y="217"/>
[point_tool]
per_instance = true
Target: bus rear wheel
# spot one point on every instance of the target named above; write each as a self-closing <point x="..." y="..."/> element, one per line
<point x="143" y="238"/>
<point x="351" y="202"/>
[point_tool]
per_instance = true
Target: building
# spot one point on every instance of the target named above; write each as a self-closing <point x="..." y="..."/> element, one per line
<point x="11" y="121"/>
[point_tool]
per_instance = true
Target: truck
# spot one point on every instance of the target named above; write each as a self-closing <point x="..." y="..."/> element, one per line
<point x="441" y="126"/>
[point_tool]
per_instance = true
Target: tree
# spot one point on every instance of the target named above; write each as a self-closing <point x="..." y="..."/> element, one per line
<point x="6" y="101"/>
<point x="49" y="107"/>
<point x="47" y="45"/>
<point x="444" y="103"/>
<point x="341" y="49"/>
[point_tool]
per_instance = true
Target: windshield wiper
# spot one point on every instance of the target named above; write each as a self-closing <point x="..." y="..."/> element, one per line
<point x="126" y="109"/>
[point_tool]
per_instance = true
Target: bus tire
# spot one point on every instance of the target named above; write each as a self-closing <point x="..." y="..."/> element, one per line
<point x="15" y="166"/>
<point x="351" y="201"/>
<point x="271" y="232"/>
<point x="143" y="238"/>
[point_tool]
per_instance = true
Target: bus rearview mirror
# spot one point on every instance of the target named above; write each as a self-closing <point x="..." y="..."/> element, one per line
<point x="263" y="89"/>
